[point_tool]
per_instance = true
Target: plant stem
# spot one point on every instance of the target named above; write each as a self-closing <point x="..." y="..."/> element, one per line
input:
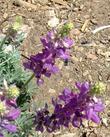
<point x="26" y="83"/>
<point x="3" y="41"/>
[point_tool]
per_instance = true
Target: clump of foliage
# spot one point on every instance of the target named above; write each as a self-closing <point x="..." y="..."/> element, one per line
<point x="10" y="58"/>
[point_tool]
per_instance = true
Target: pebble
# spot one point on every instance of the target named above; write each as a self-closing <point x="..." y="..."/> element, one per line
<point x="85" y="123"/>
<point x="90" y="77"/>
<point x="50" y="13"/>
<point x="5" y="15"/>
<point x="52" y="90"/>
<point x="42" y="2"/>
<point x="74" y="58"/>
<point x="69" y="135"/>
<point x="105" y="121"/>
<point x="60" y="64"/>
<point x="91" y="56"/>
<point x="86" y="73"/>
<point x="94" y="21"/>
<point x="76" y="32"/>
<point x="92" y="124"/>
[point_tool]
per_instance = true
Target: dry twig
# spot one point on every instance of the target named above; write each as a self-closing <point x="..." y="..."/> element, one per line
<point x="100" y="28"/>
<point x="85" y="25"/>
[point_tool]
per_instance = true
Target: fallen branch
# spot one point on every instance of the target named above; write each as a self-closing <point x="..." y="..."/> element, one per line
<point x="100" y="28"/>
<point x="85" y="25"/>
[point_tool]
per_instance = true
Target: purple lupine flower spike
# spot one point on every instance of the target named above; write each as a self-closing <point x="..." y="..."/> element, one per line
<point x="8" y="113"/>
<point x="43" y="63"/>
<point x="72" y="108"/>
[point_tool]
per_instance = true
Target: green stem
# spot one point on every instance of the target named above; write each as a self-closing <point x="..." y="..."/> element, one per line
<point x="26" y="83"/>
<point x="3" y="41"/>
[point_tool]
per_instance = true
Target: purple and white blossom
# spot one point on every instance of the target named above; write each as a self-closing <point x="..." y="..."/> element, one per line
<point x="8" y="113"/>
<point x="70" y="107"/>
<point x="43" y="63"/>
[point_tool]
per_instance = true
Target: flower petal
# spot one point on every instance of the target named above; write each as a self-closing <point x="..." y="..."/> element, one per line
<point x="95" y="118"/>
<point x="77" y="121"/>
<point x="1" y="135"/>
<point x="98" y="107"/>
<point x="13" y="114"/>
<point x="89" y="113"/>
<point x="10" y="127"/>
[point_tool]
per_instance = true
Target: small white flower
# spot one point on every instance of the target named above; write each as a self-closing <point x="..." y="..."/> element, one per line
<point x="53" y="22"/>
<point x="8" y="49"/>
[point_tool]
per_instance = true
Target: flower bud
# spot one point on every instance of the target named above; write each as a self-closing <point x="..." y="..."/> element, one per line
<point x="70" y="25"/>
<point x="98" y="88"/>
<point x="13" y="92"/>
<point x="66" y="29"/>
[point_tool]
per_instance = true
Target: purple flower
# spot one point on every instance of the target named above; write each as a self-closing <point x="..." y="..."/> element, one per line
<point x="93" y="109"/>
<point x="72" y="108"/>
<point x="8" y="112"/>
<point x="42" y="64"/>
<point x="54" y="46"/>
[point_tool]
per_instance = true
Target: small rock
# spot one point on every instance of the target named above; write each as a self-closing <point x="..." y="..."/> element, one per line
<point x="94" y="21"/>
<point x="103" y="41"/>
<point x="92" y="124"/>
<point x="86" y="73"/>
<point x="99" y="51"/>
<point x="92" y="135"/>
<point x="107" y="102"/>
<point x="60" y="64"/>
<point x="5" y="15"/>
<point x="107" y="64"/>
<point x="91" y="56"/>
<point x="53" y="22"/>
<point x="90" y="78"/>
<point x="104" y="121"/>
<point x="74" y="59"/>
<point x="57" y="133"/>
<point x="81" y="7"/>
<point x="61" y="2"/>
<point x="42" y="2"/>
<point x="85" y="123"/>
<point x="69" y="135"/>
<point x="51" y="90"/>
<point x="100" y="77"/>
<point x="50" y="13"/>
<point x="76" y="9"/>
<point x="80" y="60"/>
<point x="76" y="32"/>
<point x="90" y="44"/>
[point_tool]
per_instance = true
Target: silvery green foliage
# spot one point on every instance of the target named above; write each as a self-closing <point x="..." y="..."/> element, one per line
<point x="10" y="68"/>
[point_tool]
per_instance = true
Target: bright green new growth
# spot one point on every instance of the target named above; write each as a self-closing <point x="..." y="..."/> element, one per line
<point x="18" y="22"/>
<point x="66" y="29"/>
<point x="13" y="92"/>
<point x="70" y="25"/>
<point x="98" y="88"/>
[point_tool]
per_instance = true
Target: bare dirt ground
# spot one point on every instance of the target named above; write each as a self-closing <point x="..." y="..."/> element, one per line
<point x="90" y="57"/>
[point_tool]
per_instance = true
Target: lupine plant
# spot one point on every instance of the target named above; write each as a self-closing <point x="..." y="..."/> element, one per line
<point x="70" y="107"/>
<point x="17" y="119"/>
<point x="9" y="111"/>
<point x="55" y="45"/>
